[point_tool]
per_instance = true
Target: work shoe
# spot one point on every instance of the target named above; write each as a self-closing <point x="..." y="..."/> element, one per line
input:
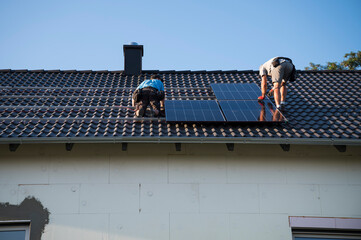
<point x="140" y="112"/>
<point x="154" y="112"/>
<point x="281" y="107"/>
<point x="150" y="113"/>
<point x="162" y="112"/>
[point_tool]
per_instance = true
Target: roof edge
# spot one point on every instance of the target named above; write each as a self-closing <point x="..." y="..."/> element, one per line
<point x="329" y="141"/>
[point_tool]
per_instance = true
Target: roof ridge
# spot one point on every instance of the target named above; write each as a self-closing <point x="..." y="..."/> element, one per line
<point x="166" y="71"/>
<point x="62" y="71"/>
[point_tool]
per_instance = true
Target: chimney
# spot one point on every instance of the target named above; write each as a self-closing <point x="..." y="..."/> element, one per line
<point x="133" y="54"/>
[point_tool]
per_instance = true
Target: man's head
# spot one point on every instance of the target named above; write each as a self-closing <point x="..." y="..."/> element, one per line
<point x="155" y="76"/>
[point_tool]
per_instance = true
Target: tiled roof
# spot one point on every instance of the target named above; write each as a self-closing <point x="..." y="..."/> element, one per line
<point x="80" y="106"/>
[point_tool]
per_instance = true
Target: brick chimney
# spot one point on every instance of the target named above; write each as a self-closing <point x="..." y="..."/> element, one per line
<point x="133" y="54"/>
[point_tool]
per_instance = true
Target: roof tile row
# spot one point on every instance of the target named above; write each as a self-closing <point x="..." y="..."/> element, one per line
<point x="96" y="104"/>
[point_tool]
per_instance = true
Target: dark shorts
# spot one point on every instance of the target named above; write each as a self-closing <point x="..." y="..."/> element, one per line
<point x="148" y="97"/>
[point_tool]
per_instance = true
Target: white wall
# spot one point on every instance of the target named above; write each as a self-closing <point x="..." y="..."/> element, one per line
<point x="203" y="192"/>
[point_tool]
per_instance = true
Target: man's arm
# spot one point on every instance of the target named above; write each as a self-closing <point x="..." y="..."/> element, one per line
<point x="264" y="85"/>
<point x="263" y="88"/>
<point x="263" y="73"/>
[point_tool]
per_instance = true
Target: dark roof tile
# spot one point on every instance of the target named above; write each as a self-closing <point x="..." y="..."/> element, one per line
<point x="41" y="104"/>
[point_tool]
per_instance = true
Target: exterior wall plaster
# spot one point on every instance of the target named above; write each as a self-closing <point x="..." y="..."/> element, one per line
<point x="204" y="191"/>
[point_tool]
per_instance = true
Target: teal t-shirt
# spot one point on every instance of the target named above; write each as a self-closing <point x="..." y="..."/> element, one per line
<point x="155" y="83"/>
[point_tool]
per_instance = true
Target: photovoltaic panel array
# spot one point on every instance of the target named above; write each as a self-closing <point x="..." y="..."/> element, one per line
<point x="193" y="111"/>
<point x="236" y="102"/>
<point x="250" y="111"/>
<point x="236" y="91"/>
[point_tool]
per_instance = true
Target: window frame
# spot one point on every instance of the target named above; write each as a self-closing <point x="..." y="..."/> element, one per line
<point x="18" y="225"/>
<point x="325" y="227"/>
<point x="324" y="234"/>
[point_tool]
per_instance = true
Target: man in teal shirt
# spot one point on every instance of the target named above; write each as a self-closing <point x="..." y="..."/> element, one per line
<point x="149" y="92"/>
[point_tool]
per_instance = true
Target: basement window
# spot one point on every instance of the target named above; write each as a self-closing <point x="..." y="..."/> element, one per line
<point x="325" y="235"/>
<point x="14" y="230"/>
<point x="325" y="228"/>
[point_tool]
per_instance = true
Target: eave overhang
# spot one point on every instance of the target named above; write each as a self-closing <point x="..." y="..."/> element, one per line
<point x="190" y="140"/>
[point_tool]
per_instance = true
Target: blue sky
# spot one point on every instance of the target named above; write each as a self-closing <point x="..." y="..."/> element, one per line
<point x="177" y="35"/>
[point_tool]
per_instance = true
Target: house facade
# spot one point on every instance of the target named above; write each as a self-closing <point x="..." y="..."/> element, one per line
<point x="203" y="191"/>
<point x="76" y="164"/>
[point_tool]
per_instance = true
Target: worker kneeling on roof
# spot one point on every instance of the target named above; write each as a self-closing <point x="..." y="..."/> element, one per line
<point x="281" y="70"/>
<point x="149" y="92"/>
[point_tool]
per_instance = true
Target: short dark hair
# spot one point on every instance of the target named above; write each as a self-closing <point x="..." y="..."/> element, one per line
<point x="155" y="76"/>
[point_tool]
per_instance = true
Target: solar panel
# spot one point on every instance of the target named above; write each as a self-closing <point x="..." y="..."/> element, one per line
<point x="236" y="91"/>
<point x="193" y="111"/>
<point x="250" y="111"/>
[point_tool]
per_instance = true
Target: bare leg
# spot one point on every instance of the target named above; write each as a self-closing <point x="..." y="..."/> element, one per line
<point x="283" y="91"/>
<point x="277" y="96"/>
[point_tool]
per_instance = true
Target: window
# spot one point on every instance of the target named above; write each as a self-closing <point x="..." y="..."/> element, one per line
<point x="324" y="228"/>
<point x="297" y="235"/>
<point x="18" y="230"/>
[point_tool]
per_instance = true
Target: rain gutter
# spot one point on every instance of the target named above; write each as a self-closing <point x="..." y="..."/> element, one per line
<point x="191" y="140"/>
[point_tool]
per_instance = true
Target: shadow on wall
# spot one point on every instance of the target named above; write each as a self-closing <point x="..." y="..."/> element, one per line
<point x="30" y="209"/>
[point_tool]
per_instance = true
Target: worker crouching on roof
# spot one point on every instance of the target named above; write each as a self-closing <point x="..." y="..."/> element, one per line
<point x="280" y="69"/>
<point x="149" y="92"/>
